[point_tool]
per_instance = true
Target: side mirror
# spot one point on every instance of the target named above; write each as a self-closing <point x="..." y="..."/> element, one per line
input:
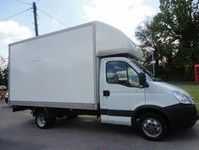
<point x="142" y="79"/>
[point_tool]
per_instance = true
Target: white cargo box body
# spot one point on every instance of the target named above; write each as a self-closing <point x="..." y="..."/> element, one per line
<point x="60" y="69"/>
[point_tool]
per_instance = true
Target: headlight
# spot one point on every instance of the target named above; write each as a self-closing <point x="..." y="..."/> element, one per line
<point x="182" y="98"/>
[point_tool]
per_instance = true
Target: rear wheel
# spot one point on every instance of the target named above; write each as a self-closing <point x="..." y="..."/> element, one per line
<point x="153" y="126"/>
<point x="43" y="119"/>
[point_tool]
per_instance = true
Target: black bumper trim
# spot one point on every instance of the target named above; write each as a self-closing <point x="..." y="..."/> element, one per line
<point x="112" y="112"/>
<point x="181" y="115"/>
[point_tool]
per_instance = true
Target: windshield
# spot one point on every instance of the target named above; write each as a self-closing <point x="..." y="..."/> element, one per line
<point x="144" y="69"/>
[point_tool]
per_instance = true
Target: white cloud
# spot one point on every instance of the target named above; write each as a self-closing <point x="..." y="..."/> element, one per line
<point x="123" y="14"/>
<point x="11" y="31"/>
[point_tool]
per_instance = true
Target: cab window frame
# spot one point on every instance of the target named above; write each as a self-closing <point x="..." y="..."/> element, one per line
<point x="127" y="65"/>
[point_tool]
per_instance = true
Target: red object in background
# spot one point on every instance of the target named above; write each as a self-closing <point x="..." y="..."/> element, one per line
<point x="196" y="71"/>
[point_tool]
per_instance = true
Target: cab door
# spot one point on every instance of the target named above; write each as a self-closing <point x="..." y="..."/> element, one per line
<point x="120" y="92"/>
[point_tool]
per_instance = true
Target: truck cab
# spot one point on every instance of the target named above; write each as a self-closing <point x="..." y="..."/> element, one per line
<point x="130" y="96"/>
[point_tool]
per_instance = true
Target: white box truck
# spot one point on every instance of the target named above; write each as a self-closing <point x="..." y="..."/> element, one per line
<point x="93" y="69"/>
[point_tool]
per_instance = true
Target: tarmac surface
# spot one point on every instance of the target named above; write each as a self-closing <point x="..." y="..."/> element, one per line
<point x="18" y="132"/>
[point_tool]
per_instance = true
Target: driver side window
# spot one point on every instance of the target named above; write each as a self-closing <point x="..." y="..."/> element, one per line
<point x="118" y="72"/>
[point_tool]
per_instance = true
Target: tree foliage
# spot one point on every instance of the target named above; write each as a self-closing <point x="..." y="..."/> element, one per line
<point x="4" y="76"/>
<point x="174" y="35"/>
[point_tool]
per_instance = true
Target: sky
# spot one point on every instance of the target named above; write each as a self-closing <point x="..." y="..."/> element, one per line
<point x="54" y="15"/>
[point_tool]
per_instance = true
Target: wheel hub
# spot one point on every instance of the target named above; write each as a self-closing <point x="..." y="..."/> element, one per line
<point x="41" y="120"/>
<point x="152" y="127"/>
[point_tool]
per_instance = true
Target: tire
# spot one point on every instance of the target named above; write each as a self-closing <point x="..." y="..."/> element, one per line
<point x="153" y="126"/>
<point x="44" y="120"/>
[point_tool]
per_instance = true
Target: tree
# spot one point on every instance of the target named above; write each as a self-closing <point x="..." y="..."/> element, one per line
<point x="4" y="77"/>
<point x="1" y="77"/>
<point x="174" y="35"/>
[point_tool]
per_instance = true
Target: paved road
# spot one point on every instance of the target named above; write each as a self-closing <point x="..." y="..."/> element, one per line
<point x="17" y="131"/>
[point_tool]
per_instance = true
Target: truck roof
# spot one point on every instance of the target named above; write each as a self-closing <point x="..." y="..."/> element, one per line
<point x="109" y="40"/>
<point x="112" y="41"/>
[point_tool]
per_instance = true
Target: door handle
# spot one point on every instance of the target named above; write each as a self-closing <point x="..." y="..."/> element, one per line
<point x="106" y="93"/>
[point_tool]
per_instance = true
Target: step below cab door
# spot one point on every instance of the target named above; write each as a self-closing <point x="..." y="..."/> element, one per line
<point x="120" y="92"/>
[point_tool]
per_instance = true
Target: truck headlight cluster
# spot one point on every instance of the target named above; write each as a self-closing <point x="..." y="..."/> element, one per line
<point x="182" y="98"/>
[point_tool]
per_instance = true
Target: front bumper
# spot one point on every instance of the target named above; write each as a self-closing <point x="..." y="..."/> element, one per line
<point x="181" y="115"/>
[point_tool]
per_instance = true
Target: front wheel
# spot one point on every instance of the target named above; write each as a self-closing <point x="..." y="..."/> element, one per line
<point x="153" y="126"/>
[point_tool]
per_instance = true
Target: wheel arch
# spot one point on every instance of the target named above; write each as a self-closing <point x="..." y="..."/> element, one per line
<point x="149" y="109"/>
